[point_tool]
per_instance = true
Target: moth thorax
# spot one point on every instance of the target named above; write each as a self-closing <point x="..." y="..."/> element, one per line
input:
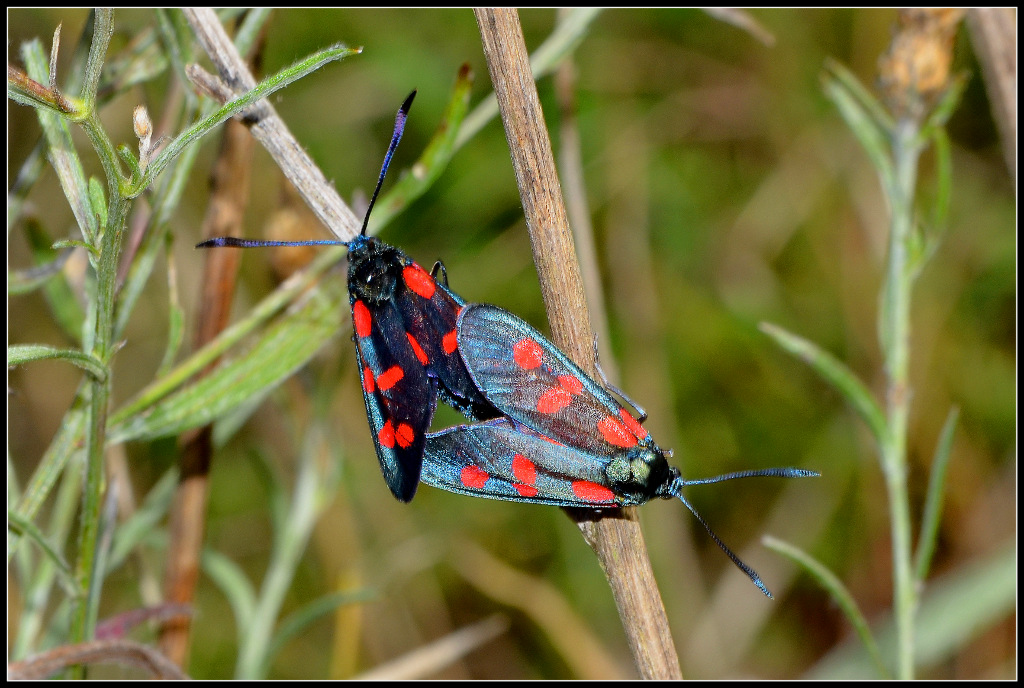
<point x="374" y="270"/>
<point x="642" y="469"/>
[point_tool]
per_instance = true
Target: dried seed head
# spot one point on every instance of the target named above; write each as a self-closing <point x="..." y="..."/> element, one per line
<point x="915" y="70"/>
<point x="141" y="122"/>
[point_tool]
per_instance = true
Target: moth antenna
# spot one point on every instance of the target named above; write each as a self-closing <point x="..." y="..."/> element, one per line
<point x="751" y="573"/>
<point x="760" y="473"/>
<point x="679" y="483"/>
<point x="235" y="242"/>
<point x="396" y="136"/>
<point x="641" y="413"/>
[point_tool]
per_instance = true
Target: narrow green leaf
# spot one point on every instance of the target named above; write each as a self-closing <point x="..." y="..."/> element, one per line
<point x="837" y="590"/>
<point x="229" y="577"/>
<point x="103" y="31"/>
<point x="299" y="620"/>
<point x="836" y="373"/>
<point x="933" y="501"/>
<point x="865" y="117"/>
<point x="945" y="107"/>
<point x="235" y="107"/>
<point x="134" y="169"/>
<point x="61" y="150"/>
<point x="294" y="286"/>
<point x="280" y="351"/>
<point x="432" y="161"/>
<point x="98" y="200"/>
<point x="22" y="526"/>
<point x="19" y="354"/>
<point x="51" y="466"/>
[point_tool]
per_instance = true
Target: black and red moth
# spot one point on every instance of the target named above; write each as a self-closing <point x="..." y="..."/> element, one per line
<point x="404" y="331"/>
<point x="563" y="439"/>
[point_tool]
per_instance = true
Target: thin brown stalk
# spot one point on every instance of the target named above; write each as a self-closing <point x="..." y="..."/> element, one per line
<point x="270" y="130"/>
<point x="994" y="37"/>
<point x="615" y="536"/>
<point x="228" y="199"/>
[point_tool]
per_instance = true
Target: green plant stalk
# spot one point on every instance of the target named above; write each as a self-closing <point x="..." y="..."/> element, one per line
<point x="895" y="332"/>
<point x="84" y="619"/>
<point x="111" y="243"/>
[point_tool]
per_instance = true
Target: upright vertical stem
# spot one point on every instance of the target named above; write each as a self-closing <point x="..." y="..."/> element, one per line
<point x="617" y="540"/>
<point x="895" y="328"/>
<point x="99" y="396"/>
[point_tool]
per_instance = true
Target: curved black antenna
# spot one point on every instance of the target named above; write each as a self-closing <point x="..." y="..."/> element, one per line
<point x="751" y="573"/>
<point x="234" y="242"/>
<point x="396" y="136"/>
<point x="679" y="483"/>
<point x="762" y="473"/>
<point x="641" y="413"/>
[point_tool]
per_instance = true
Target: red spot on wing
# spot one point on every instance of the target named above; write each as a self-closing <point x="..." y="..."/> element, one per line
<point x="417" y="349"/>
<point x="367" y="380"/>
<point x="527" y="354"/>
<point x="386" y="435"/>
<point x="592" y="492"/>
<point x="404" y="435"/>
<point x="473" y="477"/>
<point x="525" y="490"/>
<point x="571" y="384"/>
<point x="631" y="423"/>
<point x="417" y="279"/>
<point x="361" y="319"/>
<point x="614" y="432"/>
<point x="450" y="342"/>
<point x="524" y="470"/>
<point x="390" y="377"/>
<point x="553" y="400"/>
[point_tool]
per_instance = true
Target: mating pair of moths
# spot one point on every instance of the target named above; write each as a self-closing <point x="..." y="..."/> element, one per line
<point x="543" y="431"/>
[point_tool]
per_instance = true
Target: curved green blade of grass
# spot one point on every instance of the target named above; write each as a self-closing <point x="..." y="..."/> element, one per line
<point x="933" y="501"/>
<point x="22" y="526"/>
<point x="20" y="354"/>
<point x="231" y="580"/>
<point x="835" y="372"/>
<point x="839" y="593"/>
<point x="865" y="116"/>
<point x="299" y="620"/>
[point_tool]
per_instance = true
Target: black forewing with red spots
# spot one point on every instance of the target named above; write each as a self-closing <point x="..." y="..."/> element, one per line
<point x="404" y="330"/>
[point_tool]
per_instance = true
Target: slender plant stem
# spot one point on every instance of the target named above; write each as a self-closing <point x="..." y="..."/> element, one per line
<point x="896" y="343"/>
<point x="99" y="397"/>
<point x="617" y="541"/>
<point x="86" y="573"/>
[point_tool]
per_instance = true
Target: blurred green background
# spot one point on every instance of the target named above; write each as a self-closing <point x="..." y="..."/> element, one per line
<point x="724" y="190"/>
